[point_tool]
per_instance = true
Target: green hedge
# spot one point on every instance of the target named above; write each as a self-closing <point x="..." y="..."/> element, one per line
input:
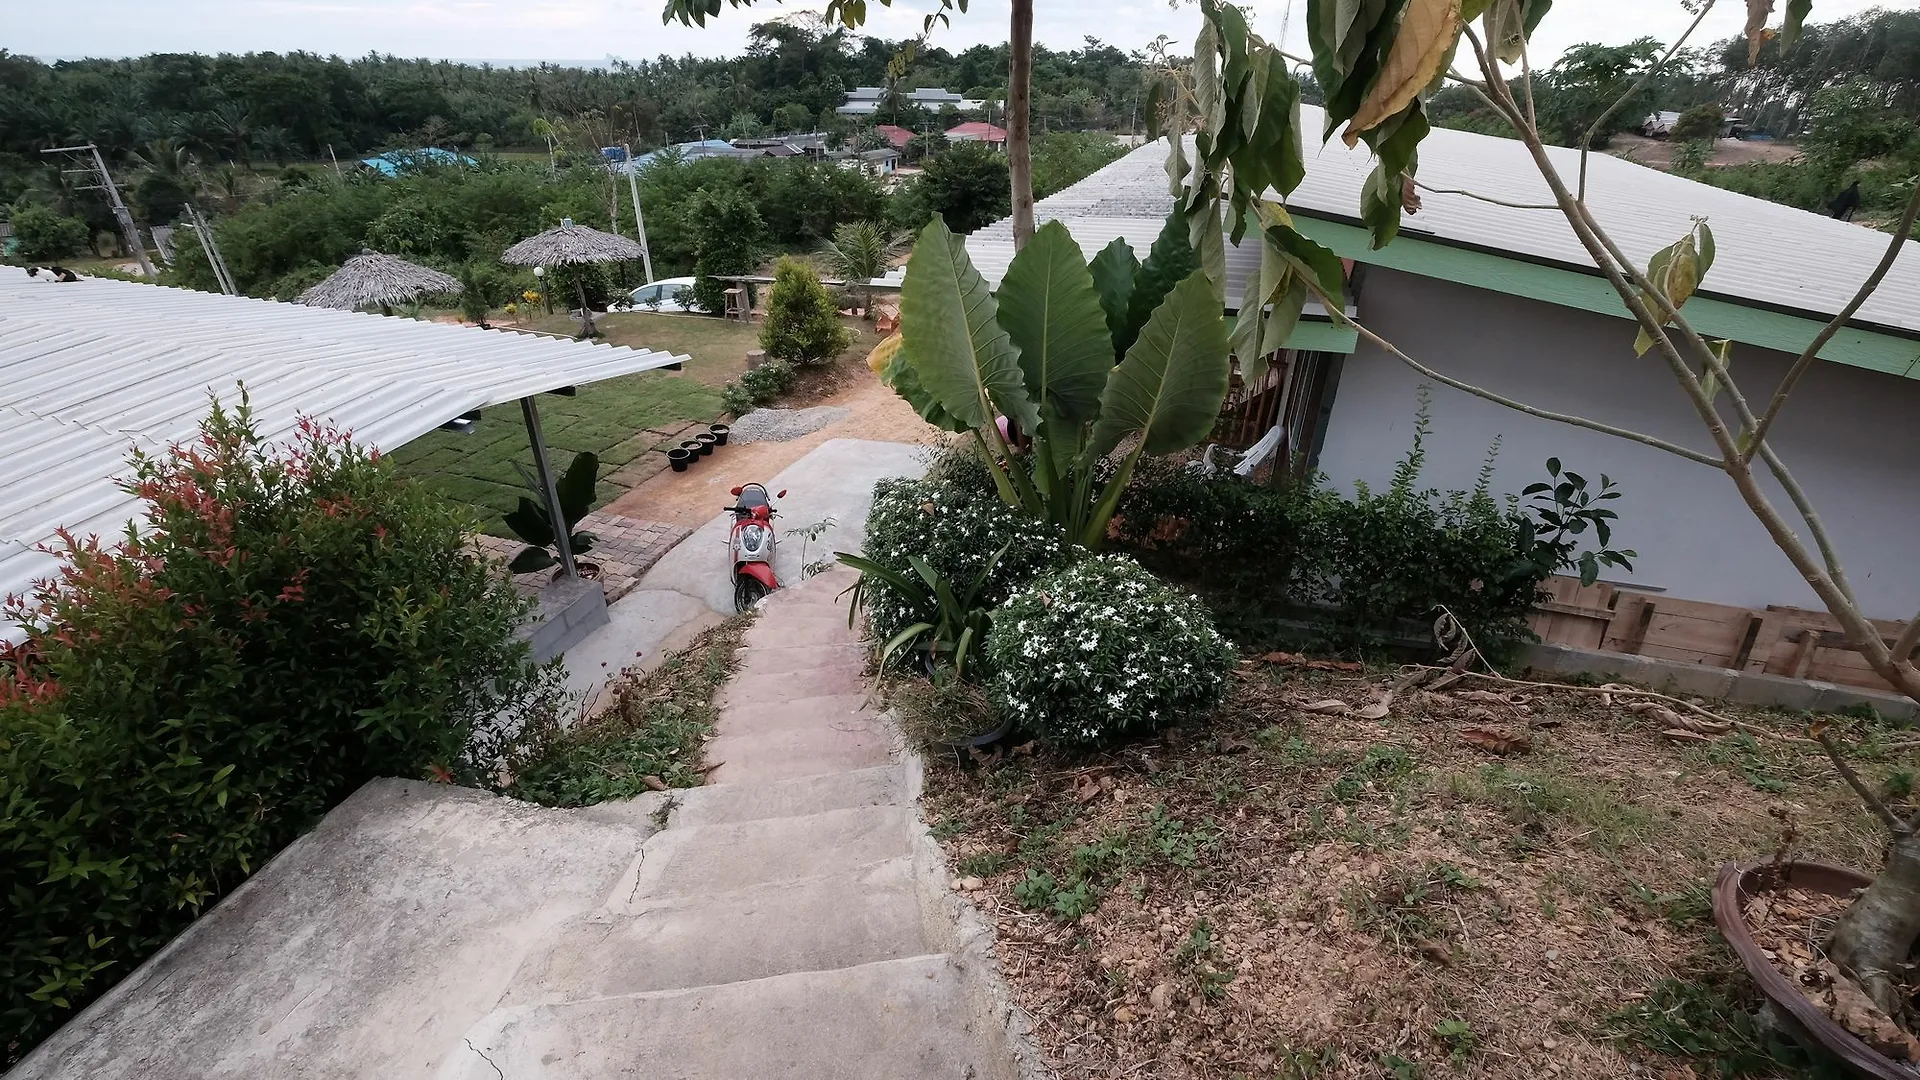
<point x="293" y="622"/>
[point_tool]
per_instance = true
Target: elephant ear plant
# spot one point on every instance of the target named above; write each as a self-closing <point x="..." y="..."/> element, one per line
<point x="1041" y="354"/>
<point x="532" y="524"/>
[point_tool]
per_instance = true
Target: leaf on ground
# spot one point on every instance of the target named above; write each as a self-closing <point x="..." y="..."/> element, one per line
<point x="1376" y="711"/>
<point x="1436" y="952"/>
<point x="1328" y="707"/>
<point x="1086" y="789"/>
<point x="1672" y="719"/>
<point x="1495" y="742"/>
<point x="1484" y="697"/>
<point x="1852" y="1009"/>
<point x="654" y="783"/>
<point x="1681" y="735"/>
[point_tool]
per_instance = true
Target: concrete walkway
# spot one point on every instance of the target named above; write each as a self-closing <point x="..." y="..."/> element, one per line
<point x="790" y="920"/>
<point x="689" y="588"/>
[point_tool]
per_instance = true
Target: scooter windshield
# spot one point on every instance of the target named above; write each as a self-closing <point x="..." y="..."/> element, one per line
<point x="753" y="495"/>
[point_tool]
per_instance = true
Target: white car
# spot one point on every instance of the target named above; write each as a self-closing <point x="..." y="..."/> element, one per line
<point x="663" y="295"/>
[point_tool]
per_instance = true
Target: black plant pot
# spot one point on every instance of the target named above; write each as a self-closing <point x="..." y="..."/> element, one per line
<point x="692" y="448"/>
<point x="679" y="458"/>
<point x="707" y="442"/>
<point x="720" y="433"/>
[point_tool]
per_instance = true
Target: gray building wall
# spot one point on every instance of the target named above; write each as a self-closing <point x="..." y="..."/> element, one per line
<point x="1849" y="435"/>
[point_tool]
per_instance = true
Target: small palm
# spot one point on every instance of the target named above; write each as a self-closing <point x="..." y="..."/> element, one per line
<point x="861" y="251"/>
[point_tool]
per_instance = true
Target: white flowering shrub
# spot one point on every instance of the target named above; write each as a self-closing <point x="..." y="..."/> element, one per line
<point x="1103" y="650"/>
<point x="956" y="529"/>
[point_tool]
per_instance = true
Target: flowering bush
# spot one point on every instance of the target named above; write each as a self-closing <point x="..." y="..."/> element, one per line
<point x="1103" y="650"/>
<point x="291" y="623"/>
<point x="957" y="530"/>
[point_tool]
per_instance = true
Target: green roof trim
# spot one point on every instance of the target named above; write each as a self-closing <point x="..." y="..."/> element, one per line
<point x="1587" y="292"/>
<point x="1313" y="335"/>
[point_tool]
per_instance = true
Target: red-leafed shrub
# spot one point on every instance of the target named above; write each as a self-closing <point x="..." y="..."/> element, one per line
<point x="290" y="622"/>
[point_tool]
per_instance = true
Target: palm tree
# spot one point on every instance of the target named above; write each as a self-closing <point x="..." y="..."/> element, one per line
<point x="859" y="252"/>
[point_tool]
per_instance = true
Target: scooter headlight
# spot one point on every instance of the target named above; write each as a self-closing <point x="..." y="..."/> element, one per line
<point x="752" y="537"/>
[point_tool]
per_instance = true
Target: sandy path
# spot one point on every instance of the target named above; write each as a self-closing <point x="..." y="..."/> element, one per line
<point x="692" y="497"/>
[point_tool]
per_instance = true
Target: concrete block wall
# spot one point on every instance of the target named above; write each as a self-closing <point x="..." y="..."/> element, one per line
<point x="1750" y="688"/>
<point x="570" y="609"/>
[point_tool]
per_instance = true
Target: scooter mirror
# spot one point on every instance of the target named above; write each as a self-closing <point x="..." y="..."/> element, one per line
<point x="736" y="491"/>
<point x="781" y="494"/>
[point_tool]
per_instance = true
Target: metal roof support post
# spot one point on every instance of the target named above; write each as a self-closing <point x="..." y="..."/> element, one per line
<point x="561" y="540"/>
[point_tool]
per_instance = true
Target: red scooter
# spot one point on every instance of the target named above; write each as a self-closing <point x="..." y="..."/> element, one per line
<point x="751" y="545"/>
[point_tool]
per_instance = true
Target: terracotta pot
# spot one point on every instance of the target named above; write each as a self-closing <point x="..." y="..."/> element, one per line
<point x="1801" y="1018"/>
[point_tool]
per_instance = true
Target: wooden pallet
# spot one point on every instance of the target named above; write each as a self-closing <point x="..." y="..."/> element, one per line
<point x="1778" y="640"/>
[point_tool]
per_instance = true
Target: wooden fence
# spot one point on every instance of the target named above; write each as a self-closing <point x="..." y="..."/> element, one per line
<point x="1776" y="640"/>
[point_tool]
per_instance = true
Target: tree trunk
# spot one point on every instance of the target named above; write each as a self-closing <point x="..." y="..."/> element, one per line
<point x="1019" y="105"/>
<point x="586" y="313"/>
<point x="1873" y="940"/>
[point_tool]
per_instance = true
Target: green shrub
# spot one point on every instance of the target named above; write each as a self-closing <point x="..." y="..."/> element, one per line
<point x="1103" y="650"/>
<point x="956" y="529"/>
<point x="727" y="244"/>
<point x="757" y="387"/>
<point x="45" y="236"/>
<point x="292" y="622"/>
<point x="802" y="325"/>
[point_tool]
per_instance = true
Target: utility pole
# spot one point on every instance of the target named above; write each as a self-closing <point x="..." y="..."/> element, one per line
<point x="212" y="248"/>
<point x="128" y="230"/>
<point x="639" y="222"/>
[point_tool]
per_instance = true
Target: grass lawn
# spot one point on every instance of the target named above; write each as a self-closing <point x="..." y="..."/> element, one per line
<point x="611" y="418"/>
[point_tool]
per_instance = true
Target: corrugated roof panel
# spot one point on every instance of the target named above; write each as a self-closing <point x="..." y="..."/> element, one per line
<point x="1768" y="254"/>
<point x="92" y="368"/>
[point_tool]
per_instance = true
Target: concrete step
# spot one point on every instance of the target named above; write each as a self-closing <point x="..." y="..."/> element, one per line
<point x="892" y="1020"/>
<point x="799" y="628"/>
<point x="846" y="710"/>
<point x="801" y="751"/>
<point x="722" y="858"/>
<point x="729" y="803"/>
<point x="756" y="690"/>
<point x="857" y="916"/>
<point x="782" y="659"/>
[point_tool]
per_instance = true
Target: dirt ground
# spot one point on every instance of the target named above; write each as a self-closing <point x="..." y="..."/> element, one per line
<point x="1658" y="153"/>
<point x="692" y="497"/>
<point x="1468" y="886"/>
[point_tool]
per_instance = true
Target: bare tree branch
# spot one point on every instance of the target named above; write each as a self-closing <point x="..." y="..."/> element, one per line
<point x="1586" y="139"/>
<point x="1483" y="198"/>
<point x="1887" y="817"/>
<point x="1867" y="289"/>
<point x="1517" y="406"/>
<point x="1908" y="641"/>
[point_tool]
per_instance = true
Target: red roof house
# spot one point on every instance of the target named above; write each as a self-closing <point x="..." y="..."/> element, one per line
<point x="976" y="131"/>
<point x="894" y="134"/>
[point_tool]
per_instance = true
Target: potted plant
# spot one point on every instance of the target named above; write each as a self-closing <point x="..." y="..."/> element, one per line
<point x="1827" y="987"/>
<point x="531" y="523"/>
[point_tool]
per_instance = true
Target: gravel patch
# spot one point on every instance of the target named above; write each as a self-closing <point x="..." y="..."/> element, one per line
<point x="781" y="425"/>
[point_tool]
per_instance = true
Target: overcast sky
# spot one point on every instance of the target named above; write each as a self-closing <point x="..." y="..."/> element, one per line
<point x="591" y="30"/>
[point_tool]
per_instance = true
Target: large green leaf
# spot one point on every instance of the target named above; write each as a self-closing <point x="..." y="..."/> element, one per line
<point x="1303" y="254"/>
<point x="954" y="345"/>
<point x="1169" y="262"/>
<point x="1051" y="310"/>
<point x="529" y="522"/>
<point x="1113" y="272"/>
<point x="1170" y="387"/>
<point x="575" y="487"/>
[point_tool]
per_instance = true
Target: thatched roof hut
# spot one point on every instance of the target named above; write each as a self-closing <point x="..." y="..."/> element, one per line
<point x="568" y="244"/>
<point x="371" y="279"/>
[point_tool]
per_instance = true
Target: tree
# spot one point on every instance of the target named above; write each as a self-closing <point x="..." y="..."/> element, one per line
<point x="859" y="252"/>
<point x="1062" y="158"/>
<point x="1376" y="72"/>
<point x="729" y="231"/>
<point x="1699" y="122"/>
<point x="967" y="186"/>
<point x="1585" y="80"/>
<point x="920" y="147"/>
<point x="45" y="236"/>
<point x="802" y="326"/>
<point x="791" y="118"/>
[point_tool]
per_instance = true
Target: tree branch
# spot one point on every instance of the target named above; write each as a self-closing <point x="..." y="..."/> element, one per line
<point x="1483" y="198"/>
<point x="1867" y="289"/>
<point x="1887" y="817"/>
<point x="1517" y="406"/>
<point x="1586" y="139"/>
<point x="1908" y="641"/>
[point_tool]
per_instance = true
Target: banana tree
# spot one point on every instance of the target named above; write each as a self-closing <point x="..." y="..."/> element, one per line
<point x="1041" y="353"/>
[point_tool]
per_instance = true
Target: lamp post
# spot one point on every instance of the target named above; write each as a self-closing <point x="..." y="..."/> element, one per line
<point x="540" y="278"/>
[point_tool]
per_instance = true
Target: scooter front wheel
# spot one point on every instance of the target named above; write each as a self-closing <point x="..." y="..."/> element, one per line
<point x="747" y="591"/>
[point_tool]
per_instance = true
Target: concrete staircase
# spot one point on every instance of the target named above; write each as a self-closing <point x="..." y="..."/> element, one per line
<point x="789" y="920"/>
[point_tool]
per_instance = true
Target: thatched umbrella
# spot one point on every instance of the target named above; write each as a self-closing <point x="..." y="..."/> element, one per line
<point x="370" y="279"/>
<point x="569" y="245"/>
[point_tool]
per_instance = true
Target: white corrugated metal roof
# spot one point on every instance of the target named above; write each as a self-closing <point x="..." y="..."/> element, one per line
<point x="89" y="369"/>
<point x="1767" y="254"/>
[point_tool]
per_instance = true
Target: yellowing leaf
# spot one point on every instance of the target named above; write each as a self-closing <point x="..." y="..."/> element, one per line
<point x="1757" y="32"/>
<point x="883" y="354"/>
<point x="1420" y="48"/>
